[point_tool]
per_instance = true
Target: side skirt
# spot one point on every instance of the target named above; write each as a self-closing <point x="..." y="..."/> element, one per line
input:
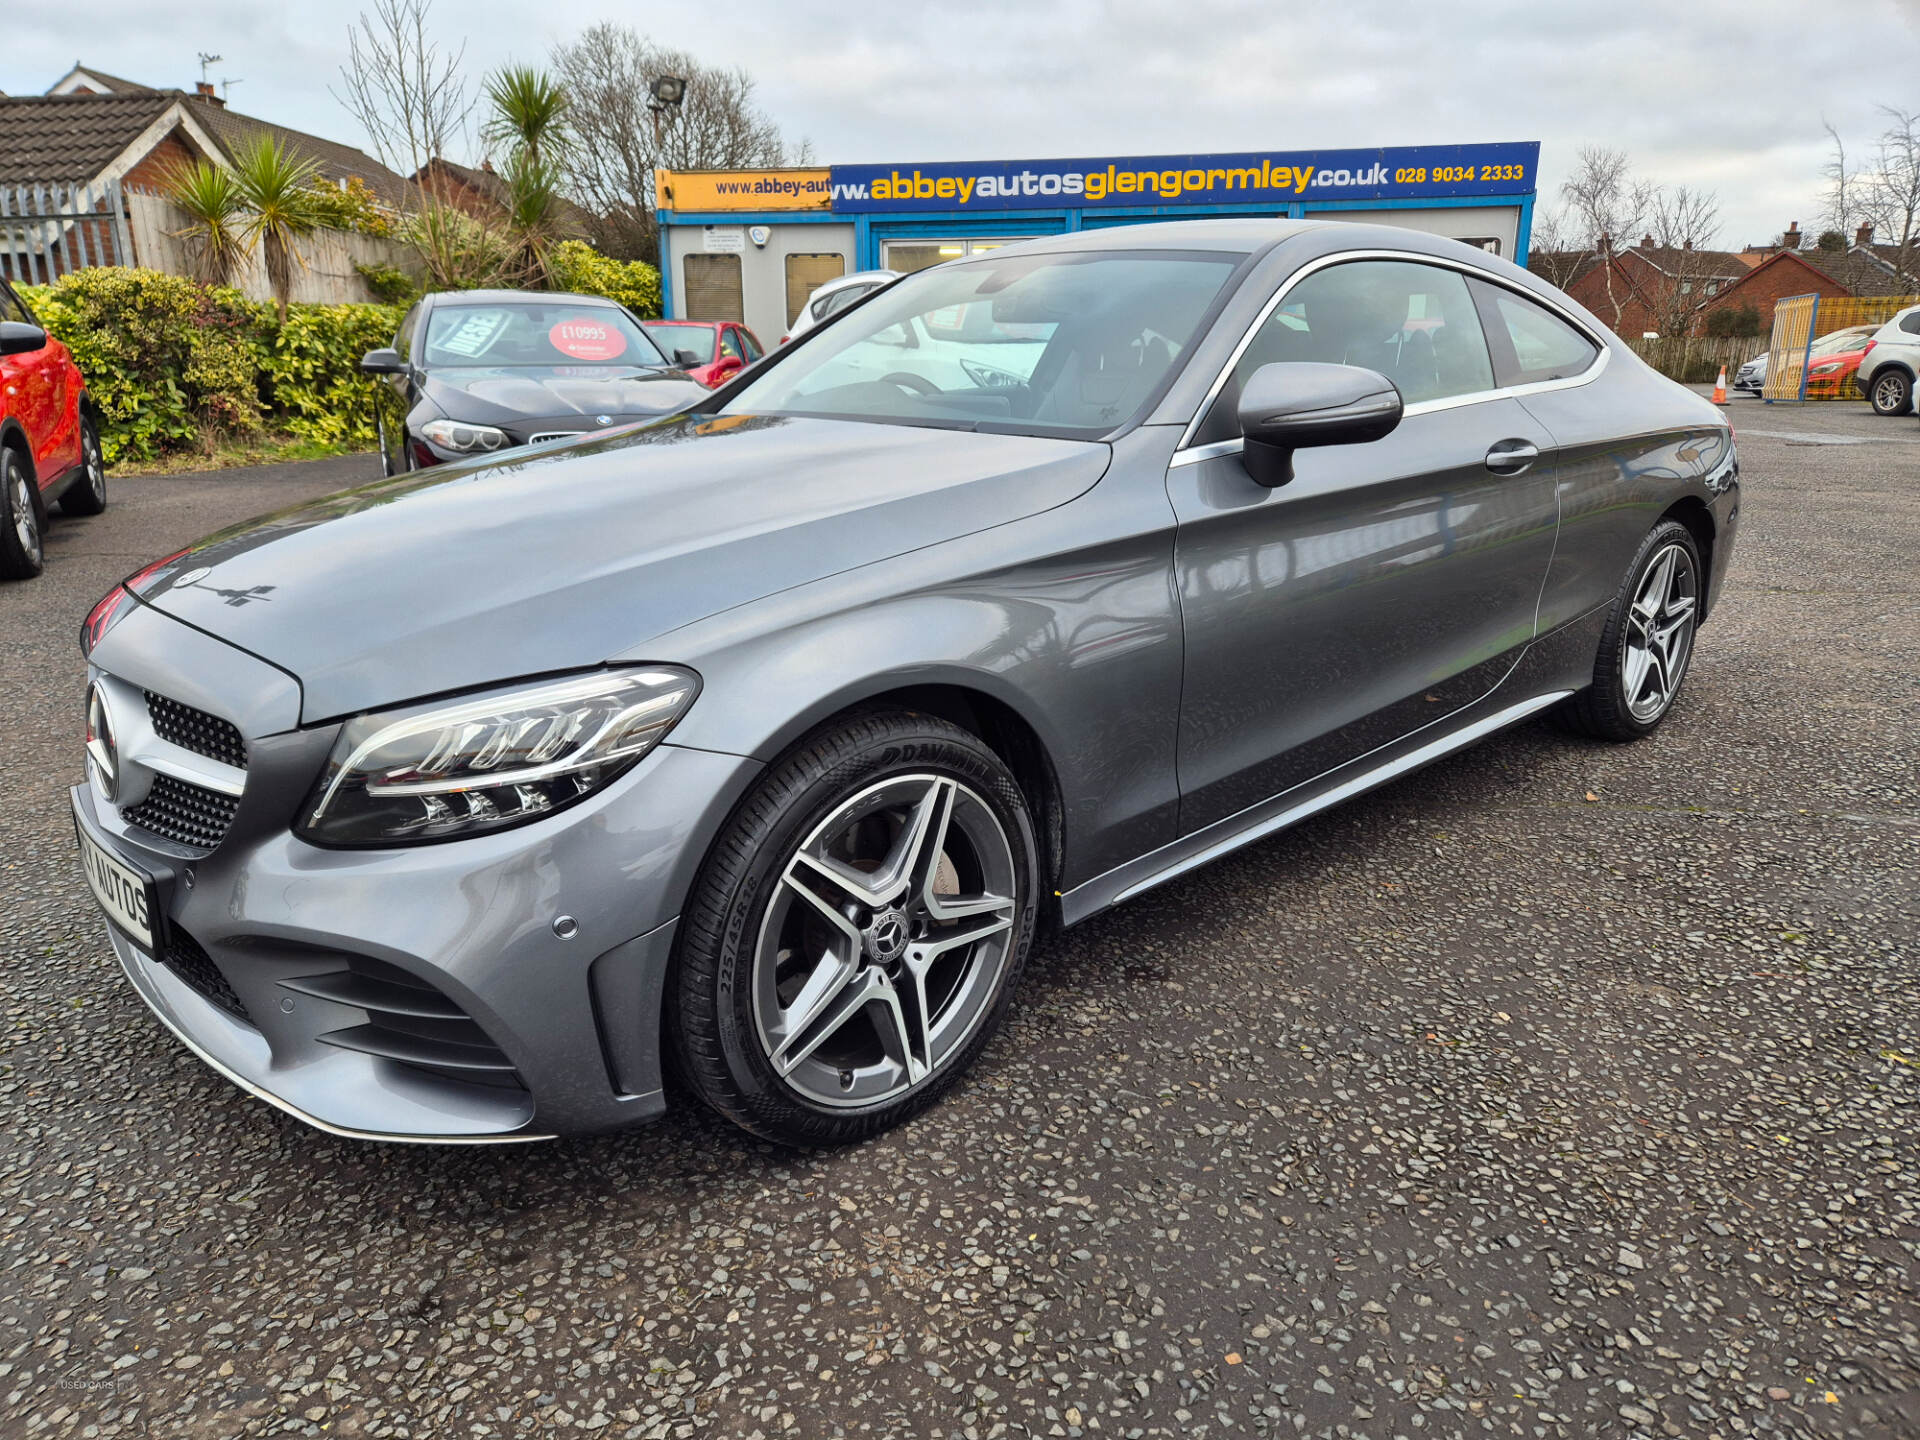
<point x="1256" y="822"/>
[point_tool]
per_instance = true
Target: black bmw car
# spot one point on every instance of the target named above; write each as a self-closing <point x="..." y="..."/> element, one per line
<point x="477" y="371"/>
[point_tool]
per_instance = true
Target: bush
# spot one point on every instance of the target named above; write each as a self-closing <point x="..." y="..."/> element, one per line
<point x="579" y="268"/>
<point x="173" y="365"/>
<point x="389" y="283"/>
<point x="311" y="366"/>
<point x="1742" y="320"/>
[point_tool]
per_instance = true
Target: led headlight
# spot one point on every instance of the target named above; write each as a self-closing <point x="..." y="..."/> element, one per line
<point x="464" y="438"/>
<point x="449" y="770"/>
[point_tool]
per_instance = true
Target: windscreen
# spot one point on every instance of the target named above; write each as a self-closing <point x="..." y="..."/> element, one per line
<point x="696" y="340"/>
<point x="541" y="334"/>
<point x="1040" y="344"/>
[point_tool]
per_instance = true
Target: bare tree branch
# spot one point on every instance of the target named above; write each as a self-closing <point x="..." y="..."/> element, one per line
<point x="409" y="94"/>
<point x="1606" y="207"/>
<point x="607" y="73"/>
<point x="1684" y="225"/>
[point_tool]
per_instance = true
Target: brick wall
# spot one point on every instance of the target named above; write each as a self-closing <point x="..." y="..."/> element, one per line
<point x="154" y="168"/>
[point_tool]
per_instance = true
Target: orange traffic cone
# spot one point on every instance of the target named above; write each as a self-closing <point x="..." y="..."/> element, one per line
<point x="1720" y="387"/>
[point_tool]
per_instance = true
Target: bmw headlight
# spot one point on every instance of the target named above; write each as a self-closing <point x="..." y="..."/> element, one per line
<point x="458" y="435"/>
<point x="448" y="770"/>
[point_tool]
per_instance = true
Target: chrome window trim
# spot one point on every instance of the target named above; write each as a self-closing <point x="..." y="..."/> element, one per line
<point x="1187" y="454"/>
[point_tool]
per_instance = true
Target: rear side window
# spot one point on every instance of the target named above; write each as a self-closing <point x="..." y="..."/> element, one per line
<point x="1911" y="323"/>
<point x="1530" y="343"/>
<point x="1415" y="324"/>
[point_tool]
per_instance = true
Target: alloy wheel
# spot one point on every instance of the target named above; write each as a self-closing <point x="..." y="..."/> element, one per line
<point x="1659" y="634"/>
<point x="883" y="944"/>
<point x="96" y="465"/>
<point x="1887" y="393"/>
<point x="26" y="524"/>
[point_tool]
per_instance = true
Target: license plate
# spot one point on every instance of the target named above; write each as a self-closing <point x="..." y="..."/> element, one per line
<point x="123" y="892"/>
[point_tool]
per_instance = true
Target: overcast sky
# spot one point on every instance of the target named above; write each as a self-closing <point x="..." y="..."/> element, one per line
<point x="1724" y="94"/>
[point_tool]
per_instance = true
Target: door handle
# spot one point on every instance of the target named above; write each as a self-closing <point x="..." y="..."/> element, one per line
<point x="1510" y="457"/>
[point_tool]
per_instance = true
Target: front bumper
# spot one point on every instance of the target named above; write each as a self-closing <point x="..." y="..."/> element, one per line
<point x="420" y="994"/>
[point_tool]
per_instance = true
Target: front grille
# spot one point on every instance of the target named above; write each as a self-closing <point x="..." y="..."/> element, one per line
<point x="185" y="813"/>
<point x="546" y="435"/>
<point x="197" y="731"/>
<point x="196" y="970"/>
<point x="410" y="1022"/>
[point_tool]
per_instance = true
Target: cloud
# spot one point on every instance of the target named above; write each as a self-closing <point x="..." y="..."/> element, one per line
<point x="1728" y="94"/>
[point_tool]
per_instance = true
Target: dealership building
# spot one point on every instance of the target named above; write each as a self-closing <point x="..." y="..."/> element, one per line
<point x="752" y="245"/>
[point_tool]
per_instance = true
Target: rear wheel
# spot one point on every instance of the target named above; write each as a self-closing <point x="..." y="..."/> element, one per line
<point x="87" y="495"/>
<point x="855" y="937"/>
<point x="20" y="550"/>
<point x="1891" y="392"/>
<point x="1648" y="642"/>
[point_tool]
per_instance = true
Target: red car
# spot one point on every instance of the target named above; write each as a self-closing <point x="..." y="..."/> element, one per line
<point x="49" y="438"/>
<point x="712" y="351"/>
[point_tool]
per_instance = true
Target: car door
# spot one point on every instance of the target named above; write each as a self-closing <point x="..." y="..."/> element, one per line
<point x="1388" y="584"/>
<point x="36" y="392"/>
<point x="731" y="358"/>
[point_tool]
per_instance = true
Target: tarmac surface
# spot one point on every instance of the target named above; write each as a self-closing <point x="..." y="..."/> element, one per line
<point x="1563" y="1089"/>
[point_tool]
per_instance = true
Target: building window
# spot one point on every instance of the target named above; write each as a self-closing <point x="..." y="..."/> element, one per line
<point x="713" y="288"/>
<point x="907" y="256"/>
<point x="806" y="274"/>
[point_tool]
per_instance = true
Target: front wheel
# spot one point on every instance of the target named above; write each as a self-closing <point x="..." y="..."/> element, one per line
<point x="856" y="934"/>
<point x="87" y="495"/>
<point x="1648" y="642"/>
<point x="1891" y="392"/>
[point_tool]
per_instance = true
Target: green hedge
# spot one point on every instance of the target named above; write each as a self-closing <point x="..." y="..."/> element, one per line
<point x="174" y="364"/>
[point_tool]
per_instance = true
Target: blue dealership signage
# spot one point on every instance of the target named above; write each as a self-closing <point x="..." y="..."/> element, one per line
<point x="1409" y="172"/>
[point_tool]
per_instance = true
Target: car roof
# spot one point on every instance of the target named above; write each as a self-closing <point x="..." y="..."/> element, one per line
<point x="858" y="277"/>
<point x="1233" y="235"/>
<point x="522" y="297"/>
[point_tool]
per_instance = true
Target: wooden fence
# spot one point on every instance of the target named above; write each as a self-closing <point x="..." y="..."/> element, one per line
<point x="47" y="231"/>
<point x="326" y="277"/>
<point x="1697" y="359"/>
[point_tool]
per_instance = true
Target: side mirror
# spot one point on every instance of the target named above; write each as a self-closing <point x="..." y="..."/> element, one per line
<point x="382" y="362"/>
<point x="685" y="359"/>
<point x="19" y="338"/>
<point x="1288" y="407"/>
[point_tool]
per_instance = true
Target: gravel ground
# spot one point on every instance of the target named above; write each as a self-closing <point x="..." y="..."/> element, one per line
<point x="1563" y="1089"/>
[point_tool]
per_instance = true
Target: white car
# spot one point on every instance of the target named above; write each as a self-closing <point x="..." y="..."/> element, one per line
<point x="1891" y="362"/>
<point x="836" y="295"/>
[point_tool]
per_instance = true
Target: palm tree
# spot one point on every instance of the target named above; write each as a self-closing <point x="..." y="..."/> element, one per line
<point x="273" y="183"/>
<point x="211" y="198"/>
<point x="534" y="216"/>
<point x="530" y="112"/>
<point x="530" y="117"/>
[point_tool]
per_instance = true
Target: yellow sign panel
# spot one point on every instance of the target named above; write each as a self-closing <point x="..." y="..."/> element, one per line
<point x="696" y="191"/>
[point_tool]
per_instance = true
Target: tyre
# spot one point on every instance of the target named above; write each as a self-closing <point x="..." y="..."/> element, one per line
<point x="88" y="494"/>
<point x="1648" y="641"/>
<point x="21" y="552"/>
<point x="1891" y="392"/>
<point x="855" y="936"/>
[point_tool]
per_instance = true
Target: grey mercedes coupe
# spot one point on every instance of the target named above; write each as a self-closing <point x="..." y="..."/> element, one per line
<point x="761" y="741"/>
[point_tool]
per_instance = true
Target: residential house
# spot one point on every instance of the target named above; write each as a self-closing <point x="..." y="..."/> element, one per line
<point x="1862" y="270"/>
<point x="93" y="130"/>
<point x="1650" y="289"/>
